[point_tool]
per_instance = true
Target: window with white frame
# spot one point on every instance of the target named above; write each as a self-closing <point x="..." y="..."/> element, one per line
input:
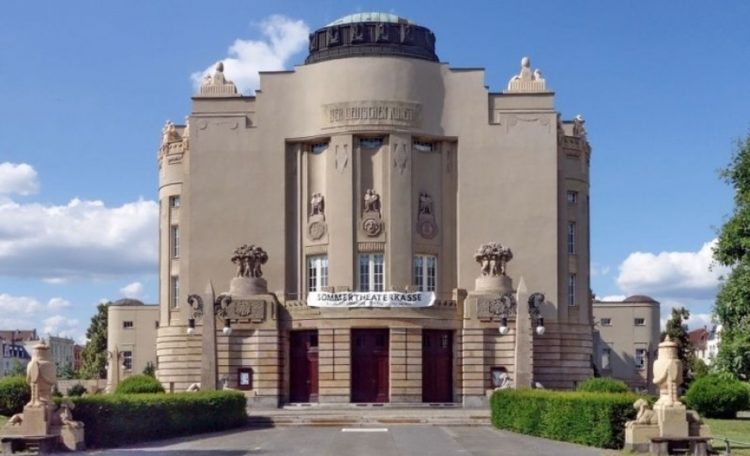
<point x="174" y="240"/>
<point x="317" y="272"/>
<point x="572" y="197"/>
<point x="425" y="272"/>
<point x="127" y="360"/>
<point x="640" y="358"/>
<point x="572" y="290"/>
<point x="606" y="354"/>
<point x="571" y="238"/>
<point x="174" y="201"/>
<point x="174" y="291"/>
<point x="371" y="272"/>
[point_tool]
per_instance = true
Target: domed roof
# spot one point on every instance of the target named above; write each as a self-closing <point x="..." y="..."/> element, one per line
<point x="372" y="16"/>
<point x="128" y="302"/>
<point x="640" y="298"/>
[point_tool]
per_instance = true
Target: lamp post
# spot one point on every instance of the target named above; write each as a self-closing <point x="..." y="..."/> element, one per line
<point x="535" y="303"/>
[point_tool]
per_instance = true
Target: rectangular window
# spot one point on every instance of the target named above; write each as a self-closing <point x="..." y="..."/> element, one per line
<point x="127" y="324"/>
<point x="371" y="143"/>
<point x="425" y="272"/>
<point x="174" y="240"/>
<point x="639" y="322"/>
<point x="174" y="291"/>
<point x="572" y="290"/>
<point x="571" y="238"/>
<point x="606" y="322"/>
<point x="640" y="358"/>
<point x="174" y="201"/>
<point x="422" y="146"/>
<point x="317" y="272"/>
<point x="606" y="358"/>
<point x="572" y="197"/>
<point x="371" y="272"/>
<point x="127" y="360"/>
<point x="319" y="147"/>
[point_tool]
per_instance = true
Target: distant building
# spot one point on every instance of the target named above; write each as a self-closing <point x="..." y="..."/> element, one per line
<point x="706" y="343"/>
<point x="18" y="335"/>
<point x="131" y="338"/>
<point x="77" y="350"/>
<point x="60" y="350"/>
<point x="626" y="336"/>
<point x="13" y="353"/>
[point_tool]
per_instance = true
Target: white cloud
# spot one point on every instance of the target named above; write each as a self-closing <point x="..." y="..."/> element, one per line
<point x="61" y="326"/>
<point x="672" y="274"/>
<point x="132" y="290"/>
<point x="80" y="239"/>
<point x="58" y="304"/>
<point x="17" y="178"/>
<point x="612" y="298"/>
<point x="18" y="305"/>
<point x="55" y="280"/>
<point x="283" y="37"/>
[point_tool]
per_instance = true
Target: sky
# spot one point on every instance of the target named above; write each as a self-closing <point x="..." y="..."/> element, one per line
<point x="86" y="86"/>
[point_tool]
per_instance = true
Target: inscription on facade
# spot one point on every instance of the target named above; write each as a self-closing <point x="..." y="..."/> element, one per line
<point x="372" y="113"/>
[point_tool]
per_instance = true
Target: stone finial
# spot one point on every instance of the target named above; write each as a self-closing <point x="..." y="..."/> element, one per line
<point x="169" y="134"/>
<point x="527" y="81"/>
<point x="579" y="130"/>
<point x="493" y="258"/>
<point x="217" y="85"/>
<point x="249" y="259"/>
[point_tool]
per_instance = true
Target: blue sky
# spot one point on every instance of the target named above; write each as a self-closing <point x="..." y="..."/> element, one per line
<point x="86" y="86"/>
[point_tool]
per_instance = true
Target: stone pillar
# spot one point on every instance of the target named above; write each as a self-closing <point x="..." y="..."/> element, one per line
<point x="208" y="367"/>
<point x="340" y="219"/>
<point x="474" y="372"/>
<point x="524" y="339"/>
<point x="406" y="364"/>
<point x="399" y="212"/>
<point x="334" y="365"/>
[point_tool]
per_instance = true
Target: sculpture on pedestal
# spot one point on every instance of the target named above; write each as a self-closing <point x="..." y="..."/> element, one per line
<point x="249" y="259"/>
<point x="41" y="375"/>
<point x="493" y="258"/>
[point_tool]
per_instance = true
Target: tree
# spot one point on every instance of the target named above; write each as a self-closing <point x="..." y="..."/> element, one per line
<point x="677" y="331"/>
<point x="67" y="372"/>
<point x="94" y="354"/>
<point x="732" y="307"/>
<point x="149" y="370"/>
<point x="16" y="368"/>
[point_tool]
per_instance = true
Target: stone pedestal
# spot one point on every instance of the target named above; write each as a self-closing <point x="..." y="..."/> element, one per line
<point x="247" y="286"/>
<point x="672" y="420"/>
<point x="36" y="421"/>
<point x="72" y="438"/>
<point x="493" y="284"/>
<point x="638" y="436"/>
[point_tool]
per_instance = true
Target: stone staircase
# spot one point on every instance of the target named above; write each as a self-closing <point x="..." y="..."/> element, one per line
<point x="367" y="416"/>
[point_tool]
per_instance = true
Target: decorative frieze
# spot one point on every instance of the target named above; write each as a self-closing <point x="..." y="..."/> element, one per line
<point x="372" y="112"/>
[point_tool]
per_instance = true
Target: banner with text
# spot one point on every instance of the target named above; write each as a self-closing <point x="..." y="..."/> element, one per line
<point x="371" y="299"/>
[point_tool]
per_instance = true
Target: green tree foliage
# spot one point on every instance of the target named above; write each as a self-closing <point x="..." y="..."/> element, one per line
<point x="94" y="354"/>
<point x="149" y="370"/>
<point x="732" y="306"/>
<point x="14" y="393"/>
<point x="16" y="369"/>
<point x="677" y="331"/>
<point x="715" y="396"/>
<point x="139" y="384"/>
<point x="67" y="372"/>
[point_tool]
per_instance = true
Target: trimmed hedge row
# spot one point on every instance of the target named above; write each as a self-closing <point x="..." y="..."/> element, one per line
<point x="14" y="394"/>
<point x="594" y="419"/>
<point x="603" y="385"/>
<point x="118" y="419"/>
<point x="139" y="384"/>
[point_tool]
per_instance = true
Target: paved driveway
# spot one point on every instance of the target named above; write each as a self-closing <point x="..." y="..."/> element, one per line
<point x="380" y="441"/>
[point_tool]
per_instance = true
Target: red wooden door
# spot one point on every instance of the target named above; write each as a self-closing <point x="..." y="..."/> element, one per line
<point x="370" y="365"/>
<point x="303" y="366"/>
<point x="437" y="366"/>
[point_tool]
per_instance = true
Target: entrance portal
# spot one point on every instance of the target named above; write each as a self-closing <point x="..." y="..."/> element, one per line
<point x="303" y="366"/>
<point x="370" y="365"/>
<point x="437" y="366"/>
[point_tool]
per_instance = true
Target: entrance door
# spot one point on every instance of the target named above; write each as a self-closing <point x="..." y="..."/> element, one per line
<point x="370" y="365"/>
<point x="303" y="366"/>
<point x="437" y="366"/>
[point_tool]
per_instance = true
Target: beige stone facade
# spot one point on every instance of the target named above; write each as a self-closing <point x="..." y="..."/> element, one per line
<point x="626" y="338"/>
<point x="375" y="167"/>
<point x="131" y="338"/>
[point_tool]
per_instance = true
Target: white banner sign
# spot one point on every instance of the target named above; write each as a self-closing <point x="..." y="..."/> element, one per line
<point x="371" y="299"/>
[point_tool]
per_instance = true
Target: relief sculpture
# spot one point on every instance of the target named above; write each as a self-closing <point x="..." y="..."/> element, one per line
<point x="372" y="223"/>
<point x="426" y="226"/>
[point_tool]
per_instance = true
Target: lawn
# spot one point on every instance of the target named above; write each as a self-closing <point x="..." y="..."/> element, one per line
<point x="738" y="430"/>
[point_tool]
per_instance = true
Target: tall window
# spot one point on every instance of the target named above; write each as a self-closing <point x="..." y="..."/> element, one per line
<point x="572" y="197"/>
<point x="174" y="240"/>
<point x="571" y="238"/>
<point x="572" y="290"/>
<point x="371" y="272"/>
<point x="127" y="360"/>
<point x="606" y="352"/>
<point x="317" y="272"/>
<point x="174" y="291"/>
<point x="640" y="358"/>
<point x="425" y="272"/>
<point x="174" y="201"/>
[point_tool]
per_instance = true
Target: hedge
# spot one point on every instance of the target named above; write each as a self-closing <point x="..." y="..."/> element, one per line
<point x="14" y="394"/>
<point x="594" y="419"/>
<point x="717" y="396"/>
<point x="118" y="419"/>
<point x="139" y="384"/>
<point x="603" y="385"/>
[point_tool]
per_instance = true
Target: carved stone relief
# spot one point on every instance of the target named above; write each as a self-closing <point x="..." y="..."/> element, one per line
<point x="317" y="227"/>
<point x="400" y="157"/>
<point x="426" y="226"/>
<point x="497" y="308"/>
<point x="341" y="158"/>
<point x="372" y="223"/>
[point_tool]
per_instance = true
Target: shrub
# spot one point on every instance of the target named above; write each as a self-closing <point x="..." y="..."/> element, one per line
<point x="14" y="394"/>
<point x="603" y="385"/>
<point x="76" y="390"/>
<point x="717" y="396"/>
<point x="139" y="384"/>
<point x="118" y="419"/>
<point x="595" y="419"/>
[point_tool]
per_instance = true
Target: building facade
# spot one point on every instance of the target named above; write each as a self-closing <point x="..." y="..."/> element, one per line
<point x="131" y="339"/>
<point x="370" y="176"/>
<point x="626" y="339"/>
<point x="14" y="356"/>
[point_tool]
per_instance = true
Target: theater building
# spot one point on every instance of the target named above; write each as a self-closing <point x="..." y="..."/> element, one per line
<point x="369" y="185"/>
